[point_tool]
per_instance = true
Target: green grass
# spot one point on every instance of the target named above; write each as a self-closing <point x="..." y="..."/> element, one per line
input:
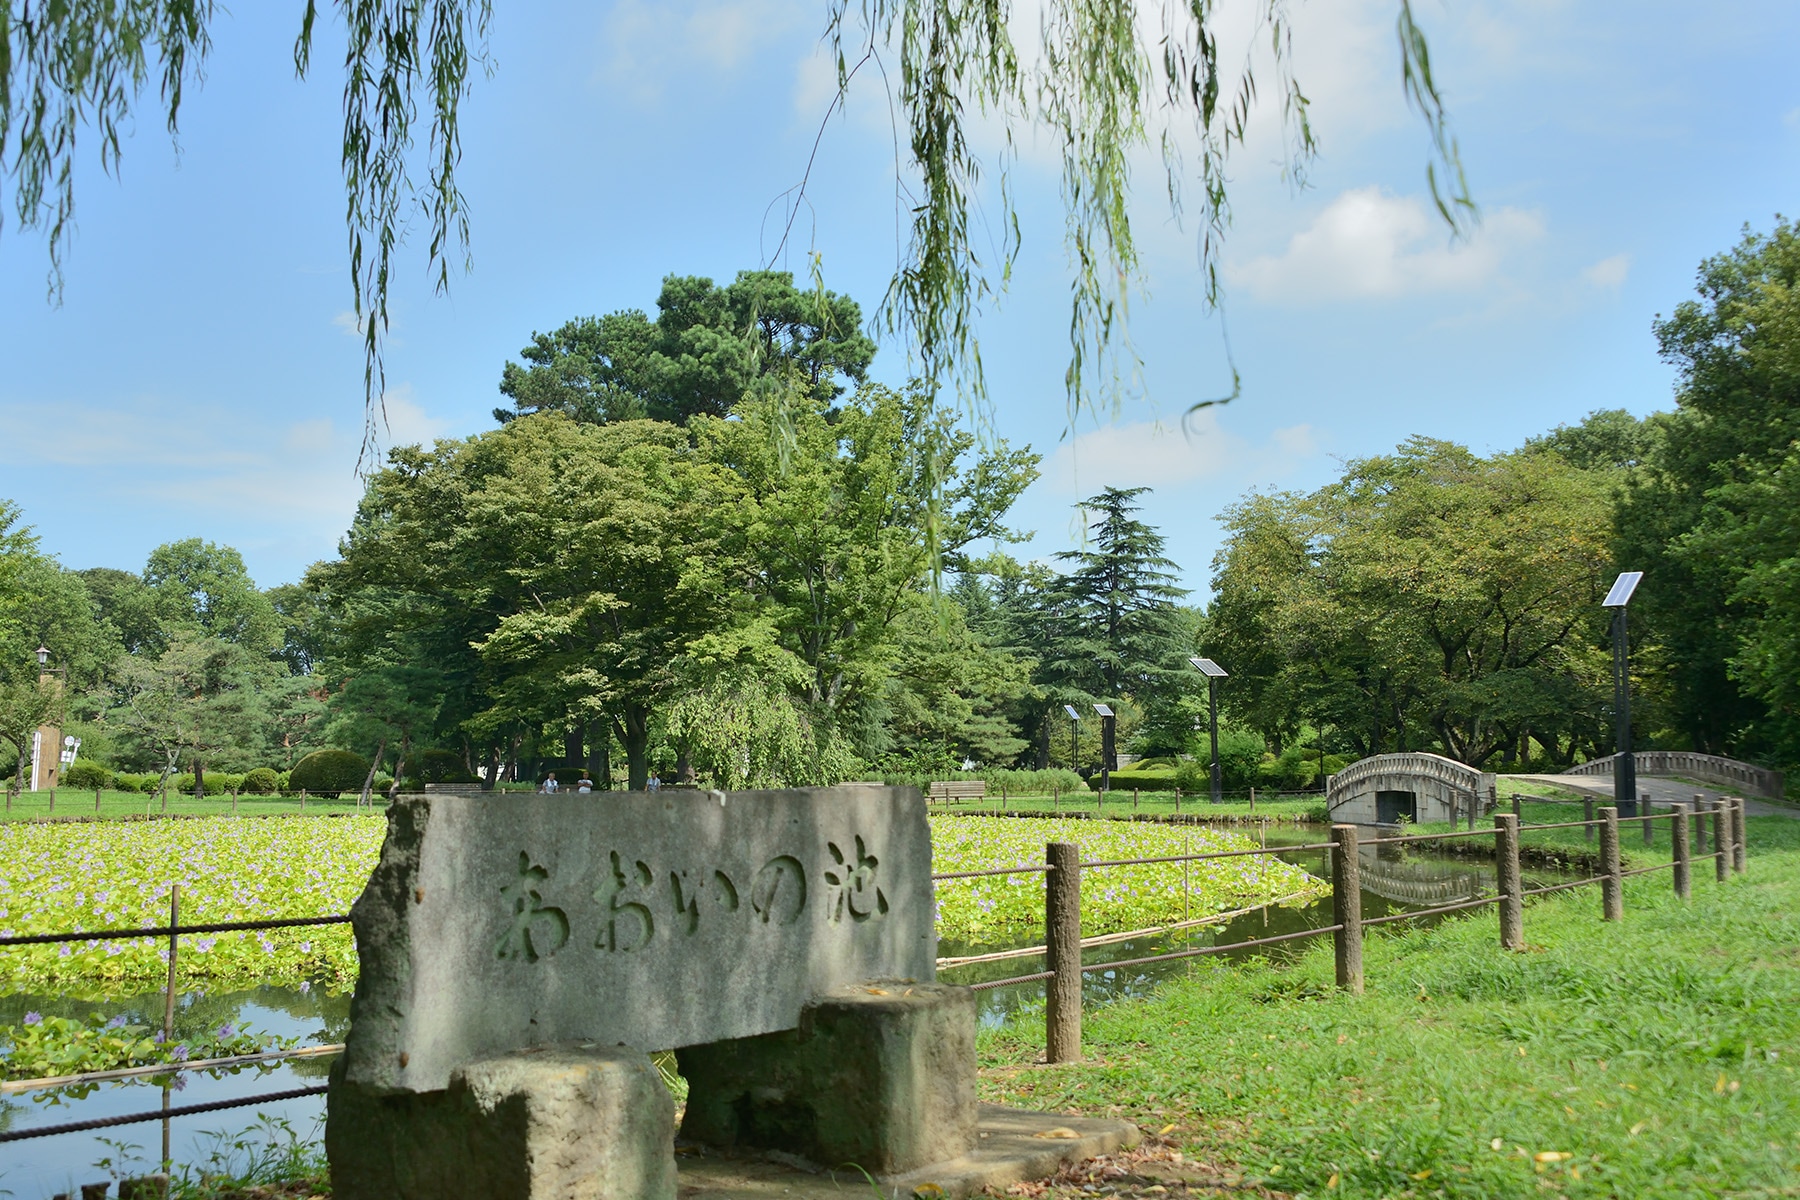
<point x="1653" y="1057"/>
<point x="1120" y="804"/>
<point x="118" y="805"/>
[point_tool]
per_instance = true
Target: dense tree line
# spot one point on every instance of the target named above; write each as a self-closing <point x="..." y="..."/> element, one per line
<point x="706" y="546"/>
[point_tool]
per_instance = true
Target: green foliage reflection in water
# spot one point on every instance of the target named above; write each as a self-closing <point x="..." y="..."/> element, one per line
<point x="106" y="875"/>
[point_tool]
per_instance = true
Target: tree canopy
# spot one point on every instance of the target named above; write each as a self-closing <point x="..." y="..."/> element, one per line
<point x="706" y="349"/>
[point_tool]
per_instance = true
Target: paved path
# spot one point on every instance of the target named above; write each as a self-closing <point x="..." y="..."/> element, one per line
<point x="1664" y="792"/>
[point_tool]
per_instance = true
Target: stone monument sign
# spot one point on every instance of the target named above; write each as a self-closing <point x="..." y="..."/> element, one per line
<point x="650" y="920"/>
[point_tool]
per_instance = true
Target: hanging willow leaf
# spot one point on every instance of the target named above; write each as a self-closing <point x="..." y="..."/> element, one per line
<point x="1103" y="77"/>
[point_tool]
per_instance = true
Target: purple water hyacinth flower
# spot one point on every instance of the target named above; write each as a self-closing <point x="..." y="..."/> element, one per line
<point x="305" y="986"/>
<point x="179" y="1053"/>
<point x="32" y="1018"/>
<point x="225" y="1031"/>
<point x="116" y="1022"/>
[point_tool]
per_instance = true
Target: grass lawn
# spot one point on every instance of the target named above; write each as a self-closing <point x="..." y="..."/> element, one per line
<point x="29" y="805"/>
<point x="1653" y="1057"/>
<point x="1121" y="803"/>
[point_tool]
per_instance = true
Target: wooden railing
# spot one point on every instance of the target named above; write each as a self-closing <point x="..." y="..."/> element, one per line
<point x="1062" y="871"/>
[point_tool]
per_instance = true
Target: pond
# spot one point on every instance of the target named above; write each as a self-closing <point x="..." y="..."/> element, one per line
<point x="36" y="1169"/>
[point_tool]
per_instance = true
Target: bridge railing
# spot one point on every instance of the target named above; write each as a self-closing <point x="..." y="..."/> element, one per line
<point x="1063" y="868"/>
<point x="1707" y="768"/>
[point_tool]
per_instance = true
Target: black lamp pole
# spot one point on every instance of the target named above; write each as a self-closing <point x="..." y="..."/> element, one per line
<point x="1213" y="672"/>
<point x="1212" y="716"/>
<point x="1624" y="763"/>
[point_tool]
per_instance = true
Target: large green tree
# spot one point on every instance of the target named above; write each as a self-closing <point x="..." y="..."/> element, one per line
<point x="1114" y="630"/>
<point x="1710" y="518"/>
<point x="843" y="509"/>
<point x="577" y="563"/>
<point x="1429" y="599"/>
<point x="707" y="347"/>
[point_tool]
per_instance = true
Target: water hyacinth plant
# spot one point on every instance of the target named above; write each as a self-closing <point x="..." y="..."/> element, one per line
<point x="997" y="907"/>
<point x="116" y="875"/>
<point x="107" y="875"/>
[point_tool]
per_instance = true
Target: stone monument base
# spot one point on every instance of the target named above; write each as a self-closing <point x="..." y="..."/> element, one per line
<point x="574" y="1122"/>
<point x="880" y="1074"/>
<point x="1011" y="1146"/>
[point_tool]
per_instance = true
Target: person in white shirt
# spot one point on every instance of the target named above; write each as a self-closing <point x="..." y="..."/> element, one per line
<point x="550" y="782"/>
<point x="584" y="784"/>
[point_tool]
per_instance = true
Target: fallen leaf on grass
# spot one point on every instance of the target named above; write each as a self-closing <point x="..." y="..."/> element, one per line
<point x="1061" y="1131"/>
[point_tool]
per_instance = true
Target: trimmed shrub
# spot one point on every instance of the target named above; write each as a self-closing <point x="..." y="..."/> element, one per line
<point x="86" y="775"/>
<point x="182" y="784"/>
<point x="261" y="782"/>
<point x="329" y="773"/>
<point x="1147" y="781"/>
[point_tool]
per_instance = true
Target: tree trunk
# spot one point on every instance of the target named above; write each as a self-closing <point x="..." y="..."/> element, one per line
<point x="374" y="766"/>
<point x="684" y="770"/>
<point x="400" y="767"/>
<point x="599" y="761"/>
<point x="493" y="769"/>
<point x="1040" y="751"/>
<point x="574" y="742"/>
<point x="634" y="732"/>
<point x="512" y="758"/>
<point x="199" y="780"/>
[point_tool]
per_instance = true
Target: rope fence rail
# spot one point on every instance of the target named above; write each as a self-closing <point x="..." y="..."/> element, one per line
<point x="1063" y="943"/>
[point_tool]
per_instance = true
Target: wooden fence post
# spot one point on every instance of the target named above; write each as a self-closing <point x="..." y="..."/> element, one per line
<point x="1738" y="849"/>
<point x="96" y="799"/>
<point x="1252" y="799"/>
<point x="1720" y="851"/>
<point x="1178" y="802"/>
<point x="1512" y="899"/>
<point x="1699" y="823"/>
<point x="1612" y="882"/>
<point x="1062" y="941"/>
<point x="1587" y="809"/>
<point x="1134" y="799"/>
<point x="1518" y="807"/>
<point x="1679" y="850"/>
<point x="169" y="996"/>
<point x="1644" y="811"/>
<point x="1346" y="897"/>
<point x="1056" y="796"/>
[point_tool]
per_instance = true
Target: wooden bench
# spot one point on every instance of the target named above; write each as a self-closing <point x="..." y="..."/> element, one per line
<point x="954" y="791"/>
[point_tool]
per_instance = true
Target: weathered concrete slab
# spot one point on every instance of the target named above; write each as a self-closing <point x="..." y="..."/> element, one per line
<point x="881" y="1075"/>
<point x="1012" y="1146"/>
<point x="571" y="1122"/>
<point x="650" y="920"/>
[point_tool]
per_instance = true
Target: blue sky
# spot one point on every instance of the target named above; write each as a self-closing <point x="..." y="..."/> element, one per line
<point x="201" y="376"/>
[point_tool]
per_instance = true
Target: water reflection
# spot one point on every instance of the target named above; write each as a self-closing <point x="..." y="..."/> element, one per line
<point x="1394" y="879"/>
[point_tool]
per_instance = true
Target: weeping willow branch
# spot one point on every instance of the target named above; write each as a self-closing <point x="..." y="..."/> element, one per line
<point x="1100" y="80"/>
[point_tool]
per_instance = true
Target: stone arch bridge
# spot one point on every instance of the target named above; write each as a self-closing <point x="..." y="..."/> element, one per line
<point x="1385" y="789"/>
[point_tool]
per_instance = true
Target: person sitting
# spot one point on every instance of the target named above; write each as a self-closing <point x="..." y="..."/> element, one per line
<point x="550" y="784"/>
<point x="653" y="784"/>
<point x="584" y="784"/>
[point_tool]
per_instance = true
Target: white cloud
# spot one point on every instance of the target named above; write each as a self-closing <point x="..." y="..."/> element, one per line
<point x="404" y="421"/>
<point x="348" y="323"/>
<point x="1791" y="118"/>
<point x="1370" y="243"/>
<point x="659" y="43"/>
<point x="1172" y="454"/>
<point x="1609" y="273"/>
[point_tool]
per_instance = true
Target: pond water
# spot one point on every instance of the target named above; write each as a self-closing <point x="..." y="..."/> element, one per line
<point x="1393" y="881"/>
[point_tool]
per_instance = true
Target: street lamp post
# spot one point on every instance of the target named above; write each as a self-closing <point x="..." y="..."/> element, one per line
<point x="1074" y="719"/>
<point x="1213" y="672"/>
<point x="1624" y="764"/>
<point x="1108" y="751"/>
